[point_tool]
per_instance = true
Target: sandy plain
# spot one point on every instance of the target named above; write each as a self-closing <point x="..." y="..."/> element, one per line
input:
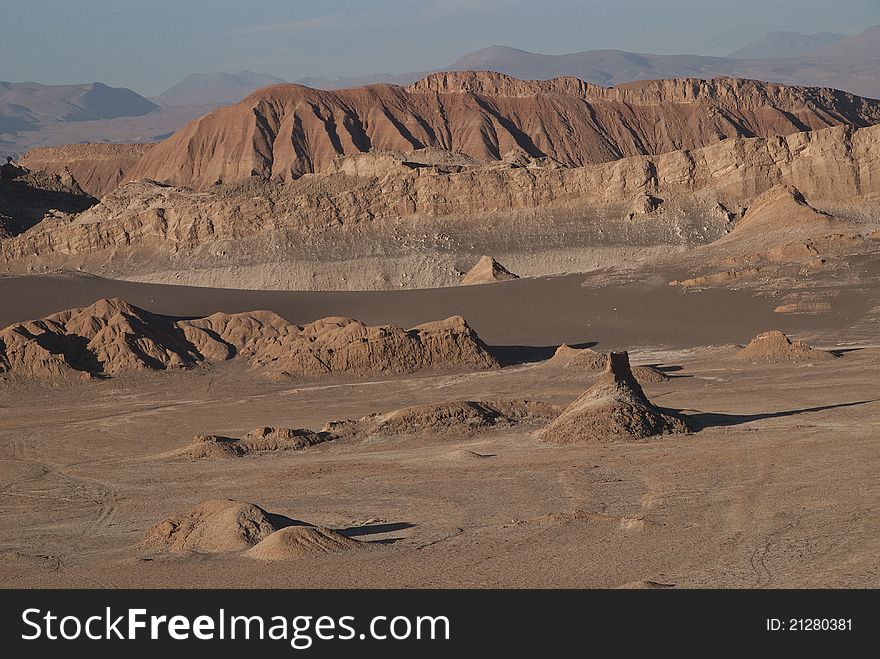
<point x="777" y="487"/>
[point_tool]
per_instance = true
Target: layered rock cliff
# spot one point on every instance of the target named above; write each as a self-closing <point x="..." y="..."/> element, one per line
<point x="284" y="131"/>
<point x="385" y="220"/>
<point x="98" y="168"/>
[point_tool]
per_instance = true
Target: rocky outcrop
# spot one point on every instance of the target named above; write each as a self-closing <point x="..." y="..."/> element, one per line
<point x="26" y="199"/>
<point x="112" y="336"/>
<point x="615" y="409"/>
<point x="443" y="418"/>
<point x="587" y="359"/>
<point x="486" y="271"/>
<point x="261" y="440"/>
<point x="284" y="131"/>
<point x="774" y="346"/>
<point x="98" y="168"/>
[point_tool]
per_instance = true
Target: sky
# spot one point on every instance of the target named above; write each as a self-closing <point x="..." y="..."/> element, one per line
<point x="149" y="45"/>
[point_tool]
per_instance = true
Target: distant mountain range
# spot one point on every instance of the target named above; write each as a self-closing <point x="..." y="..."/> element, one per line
<point x="849" y="63"/>
<point x="786" y="44"/>
<point x="32" y="114"/>
<point x="26" y="105"/>
<point x="215" y="89"/>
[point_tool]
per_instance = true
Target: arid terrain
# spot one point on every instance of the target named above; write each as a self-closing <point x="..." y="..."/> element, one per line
<point x="472" y="332"/>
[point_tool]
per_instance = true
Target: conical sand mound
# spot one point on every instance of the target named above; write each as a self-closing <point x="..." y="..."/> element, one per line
<point x="615" y="409"/>
<point x="774" y="346"/>
<point x="294" y="542"/>
<point x="213" y="527"/>
<point x="486" y="271"/>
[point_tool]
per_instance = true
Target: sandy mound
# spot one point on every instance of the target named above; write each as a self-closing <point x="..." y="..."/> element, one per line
<point x="718" y="278"/>
<point x="112" y="336"/>
<point x="649" y="374"/>
<point x="782" y="225"/>
<point x="209" y="446"/>
<point x="575" y="358"/>
<point x="774" y="346"/>
<point x="216" y="526"/>
<point x="458" y="416"/>
<point x="294" y="542"/>
<point x="261" y="440"/>
<point x="590" y="360"/>
<point x="615" y="409"/>
<point x="487" y="270"/>
<point x="803" y="307"/>
<point x="282" y="439"/>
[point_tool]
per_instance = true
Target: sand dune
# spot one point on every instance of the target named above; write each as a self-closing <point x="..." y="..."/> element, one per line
<point x="226" y="526"/>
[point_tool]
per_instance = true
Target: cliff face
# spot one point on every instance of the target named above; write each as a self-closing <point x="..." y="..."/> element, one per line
<point x="284" y="131"/>
<point x="26" y="199"/>
<point x="98" y="168"/>
<point x="427" y="220"/>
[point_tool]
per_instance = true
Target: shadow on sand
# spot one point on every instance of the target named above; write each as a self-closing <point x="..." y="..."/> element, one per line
<point x="514" y="355"/>
<point x="702" y="420"/>
<point x="376" y="529"/>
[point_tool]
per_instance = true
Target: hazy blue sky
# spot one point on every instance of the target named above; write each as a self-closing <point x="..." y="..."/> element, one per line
<point x="149" y="45"/>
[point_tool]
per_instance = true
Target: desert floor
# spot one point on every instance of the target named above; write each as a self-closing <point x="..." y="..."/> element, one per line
<point x="778" y="488"/>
